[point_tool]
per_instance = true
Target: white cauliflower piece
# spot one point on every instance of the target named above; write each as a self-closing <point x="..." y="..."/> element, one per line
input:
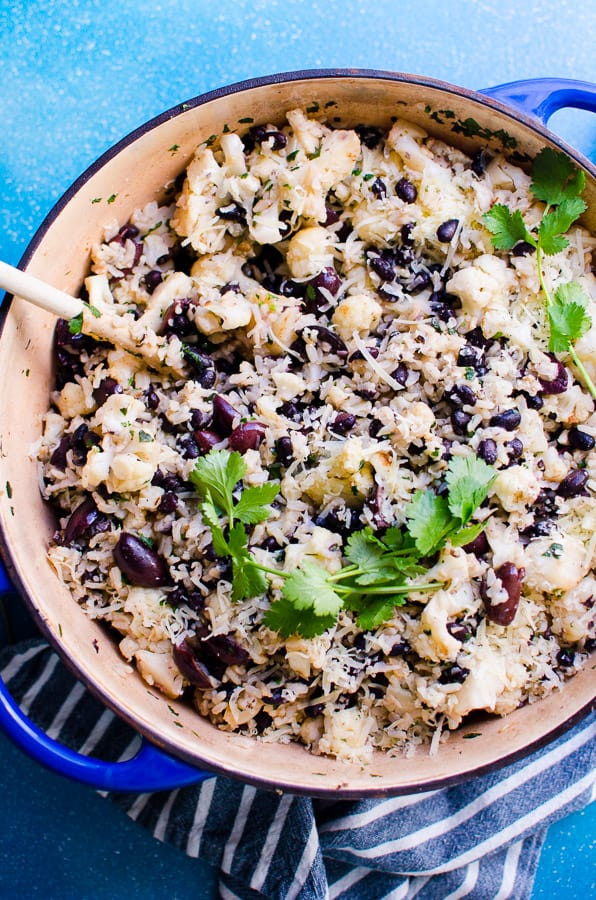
<point x="159" y="669"/>
<point x="555" y="563"/>
<point x="128" y="473"/>
<point x="484" y="284"/>
<point x="310" y="251"/>
<point x="346" y="734"/>
<point x="196" y="217"/>
<point x="288" y="385"/>
<point x="572" y="612"/>
<point x="516" y="488"/>
<point x="356" y="312"/>
<point x="74" y="401"/>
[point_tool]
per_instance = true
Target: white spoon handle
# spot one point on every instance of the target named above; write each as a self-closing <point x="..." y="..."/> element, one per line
<point x="24" y="285"/>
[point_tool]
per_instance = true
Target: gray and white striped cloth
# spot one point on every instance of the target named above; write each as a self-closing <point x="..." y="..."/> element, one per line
<point x="481" y="839"/>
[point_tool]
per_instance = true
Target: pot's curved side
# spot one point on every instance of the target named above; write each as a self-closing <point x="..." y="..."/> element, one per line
<point x="122" y="180"/>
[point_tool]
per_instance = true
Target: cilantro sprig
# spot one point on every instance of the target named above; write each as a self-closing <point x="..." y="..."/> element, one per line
<point x="377" y="575"/>
<point x="558" y="184"/>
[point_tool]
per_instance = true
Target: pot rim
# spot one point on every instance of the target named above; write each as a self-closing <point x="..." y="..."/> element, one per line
<point x="530" y="122"/>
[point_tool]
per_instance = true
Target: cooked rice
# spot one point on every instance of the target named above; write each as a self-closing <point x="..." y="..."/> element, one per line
<point x="228" y="265"/>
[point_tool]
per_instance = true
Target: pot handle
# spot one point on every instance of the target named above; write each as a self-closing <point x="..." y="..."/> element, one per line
<point x="149" y="770"/>
<point x="541" y="97"/>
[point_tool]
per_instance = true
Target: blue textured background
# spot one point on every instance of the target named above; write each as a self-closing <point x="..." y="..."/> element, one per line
<point x="77" y="76"/>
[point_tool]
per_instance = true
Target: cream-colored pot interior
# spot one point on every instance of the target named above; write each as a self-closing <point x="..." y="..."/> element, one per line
<point x="132" y="174"/>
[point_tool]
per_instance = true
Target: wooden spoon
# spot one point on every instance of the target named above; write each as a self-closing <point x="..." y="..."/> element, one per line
<point x="101" y="323"/>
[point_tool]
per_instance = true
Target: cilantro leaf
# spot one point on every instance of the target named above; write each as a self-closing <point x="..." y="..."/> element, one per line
<point x="567" y="317"/>
<point x="247" y="579"/>
<point x="467" y="535"/>
<point x="211" y="517"/>
<point x="252" y="507"/>
<point x="308" y="588"/>
<point x="556" y="222"/>
<point x="429" y="521"/>
<point x="468" y="481"/>
<point x="75" y="325"/>
<point x="507" y="228"/>
<point x="369" y="554"/>
<point x="218" y="473"/>
<point x="373" y="611"/>
<point x="555" y="178"/>
<point x="283" y="617"/>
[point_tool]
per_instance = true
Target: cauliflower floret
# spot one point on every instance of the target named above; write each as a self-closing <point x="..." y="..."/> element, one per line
<point x="485" y="284"/>
<point x="159" y="669"/>
<point x="118" y="413"/>
<point x="305" y="654"/>
<point x="346" y="734"/>
<point x="288" y="385"/>
<point x="310" y="251"/>
<point x="196" y="216"/>
<point x="128" y="473"/>
<point x="572" y="613"/>
<point x="308" y="132"/>
<point x="555" y="563"/>
<point x="356" y="312"/>
<point x="231" y="310"/>
<point x="73" y="400"/>
<point x="516" y="488"/>
<point x="483" y="685"/>
<point x="434" y="641"/>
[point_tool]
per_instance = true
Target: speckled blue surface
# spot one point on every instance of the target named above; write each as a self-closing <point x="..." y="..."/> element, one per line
<point x="76" y="75"/>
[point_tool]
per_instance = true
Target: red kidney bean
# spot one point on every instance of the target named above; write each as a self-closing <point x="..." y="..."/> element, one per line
<point x="573" y="483"/>
<point x="446" y="230"/>
<point x="511" y="578"/>
<point x="190" y="667"/>
<point x="248" y="436"/>
<point x="406" y="191"/>
<point x="206" y="440"/>
<point x="105" y="389"/>
<point x="560" y="383"/>
<point x="225" y="649"/>
<point x="223" y="416"/>
<point x="80" y="521"/>
<point x="140" y="563"/>
<point x="478" y="546"/>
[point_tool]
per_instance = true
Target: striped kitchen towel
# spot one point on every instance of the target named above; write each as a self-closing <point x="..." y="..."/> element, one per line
<point x="481" y="839"/>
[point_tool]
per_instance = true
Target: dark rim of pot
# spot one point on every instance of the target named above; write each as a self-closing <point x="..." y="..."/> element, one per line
<point x="343" y="791"/>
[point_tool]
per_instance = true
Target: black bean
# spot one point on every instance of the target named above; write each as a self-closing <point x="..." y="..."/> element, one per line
<point x="105" y="389"/>
<point x="292" y="409"/>
<point x="188" y="447"/>
<point x="331" y="217"/>
<point x="460" y="421"/>
<point x="523" y="248"/>
<point x="357" y="354"/>
<point x="515" y="448"/>
<point x="400" y="374"/>
<point x="329" y="281"/>
<point x="343" y="524"/>
<point x="139" y="562"/>
<point x="275" y="697"/>
<point x="479" y="546"/>
<point x="539" y="528"/>
<point x="406" y="191"/>
<point x="206" y="440"/>
<point x="479" y="162"/>
<point x="461" y="631"/>
<point x="379" y="188"/>
<point x="487" y="450"/>
<point x="453" y="675"/>
<point x="176" y="321"/>
<point x="343" y="423"/>
<point x="168" y="503"/>
<point x="151" y="398"/>
<point x="82" y="440"/>
<point x="400" y="648"/>
<point x="509" y="419"/>
<point x="566" y="658"/>
<point x="573" y="484"/>
<point x="532" y="401"/>
<point x="151" y="280"/>
<point x="181" y="597"/>
<point x="375" y="504"/>
<point x="511" y="579"/>
<point x="225" y="649"/>
<point x="127" y="232"/>
<point x="459" y="396"/>
<point x="406" y="234"/>
<point x="419" y="282"/>
<point x="261" y="136"/>
<point x="190" y="667"/>
<point x="270" y="544"/>
<point x="203" y="366"/>
<point x="284" y="450"/>
<point x="332" y="340"/>
<point x="446" y="230"/>
<point x="223" y="416"/>
<point x="580" y="440"/>
<point x="248" y="436"/>
<point x="382" y="266"/>
<point x="369" y="135"/>
<point x="233" y="212"/>
<point x="374" y="427"/>
<point x="590" y="644"/>
<point x="558" y="384"/>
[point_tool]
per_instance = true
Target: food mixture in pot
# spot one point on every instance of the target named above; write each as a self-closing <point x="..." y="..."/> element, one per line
<point x="368" y="510"/>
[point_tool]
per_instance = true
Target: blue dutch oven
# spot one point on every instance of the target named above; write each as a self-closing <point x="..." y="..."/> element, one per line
<point x="164" y="762"/>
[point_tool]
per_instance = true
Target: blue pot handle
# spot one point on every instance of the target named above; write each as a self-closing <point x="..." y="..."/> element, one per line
<point x="148" y="770"/>
<point x="541" y="97"/>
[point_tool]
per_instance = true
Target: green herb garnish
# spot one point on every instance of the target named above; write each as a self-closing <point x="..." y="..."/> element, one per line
<point x="558" y="184"/>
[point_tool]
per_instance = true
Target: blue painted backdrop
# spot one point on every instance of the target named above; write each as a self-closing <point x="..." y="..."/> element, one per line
<point x="75" y="76"/>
